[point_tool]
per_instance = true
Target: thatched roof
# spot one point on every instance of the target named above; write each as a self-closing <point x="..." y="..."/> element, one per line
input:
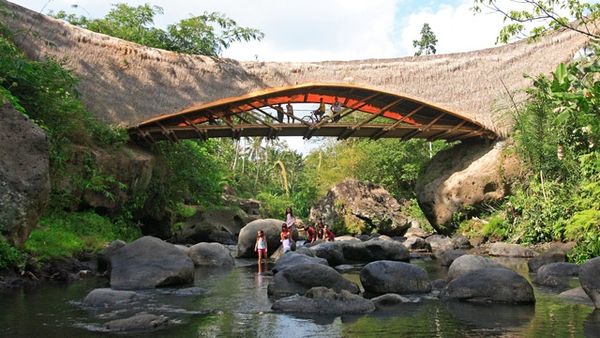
<point x="127" y="83"/>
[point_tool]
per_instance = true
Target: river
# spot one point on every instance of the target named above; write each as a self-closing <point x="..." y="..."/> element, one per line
<point x="236" y="305"/>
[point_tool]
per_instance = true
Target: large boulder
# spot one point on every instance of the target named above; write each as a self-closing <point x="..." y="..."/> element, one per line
<point x="140" y="322"/>
<point x="447" y="257"/>
<point x="106" y="254"/>
<point x="247" y="237"/>
<point x="589" y="277"/>
<point x="305" y="276"/>
<point x="149" y="262"/>
<point x="292" y="259"/>
<point x="24" y="175"/>
<point x="510" y="250"/>
<point x="219" y="225"/>
<point x="375" y="250"/>
<point x="556" y="274"/>
<point x="463" y="176"/>
<point x="331" y="251"/>
<point x="210" y="254"/>
<point x="547" y="257"/>
<point x="417" y="244"/>
<point x="576" y="295"/>
<point x="467" y="263"/>
<point x="321" y="300"/>
<point x="361" y="207"/>
<point x="390" y="299"/>
<point x="394" y="277"/>
<point x="490" y="285"/>
<point x="106" y="297"/>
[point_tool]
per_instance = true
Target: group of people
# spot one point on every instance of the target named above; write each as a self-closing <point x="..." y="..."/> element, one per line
<point x="313" y="233"/>
<point x="320" y="231"/>
<point x="289" y="112"/>
<point x="319" y="113"/>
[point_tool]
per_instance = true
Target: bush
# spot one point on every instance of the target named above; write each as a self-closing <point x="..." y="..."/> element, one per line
<point x="10" y="256"/>
<point x="67" y="234"/>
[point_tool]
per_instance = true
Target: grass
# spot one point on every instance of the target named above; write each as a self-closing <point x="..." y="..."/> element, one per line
<point x="63" y="234"/>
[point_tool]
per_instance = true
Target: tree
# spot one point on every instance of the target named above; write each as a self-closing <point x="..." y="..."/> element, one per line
<point x="427" y="43"/>
<point x="545" y="15"/>
<point x="206" y="34"/>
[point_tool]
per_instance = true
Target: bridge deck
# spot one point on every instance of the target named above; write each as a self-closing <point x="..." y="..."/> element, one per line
<point x="366" y="113"/>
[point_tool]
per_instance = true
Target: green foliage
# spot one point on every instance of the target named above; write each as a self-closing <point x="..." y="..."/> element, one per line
<point x="67" y="234"/>
<point x="206" y="34"/>
<point x="194" y="175"/>
<point x="427" y="42"/>
<point x="496" y="227"/>
<point x="557" y="131"/>
<point x="547" y="15"/>
<point x="10" y="256"/>
<point x="274" y="206"/>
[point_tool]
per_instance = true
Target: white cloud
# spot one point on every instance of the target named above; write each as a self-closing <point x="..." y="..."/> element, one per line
<point x="455" y="27"/>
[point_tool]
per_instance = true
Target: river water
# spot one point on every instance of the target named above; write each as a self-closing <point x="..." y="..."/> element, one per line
<point x="236" y="305"/>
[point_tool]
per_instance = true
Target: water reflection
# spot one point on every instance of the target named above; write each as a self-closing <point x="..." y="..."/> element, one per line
<point x="591" y="326"/>
<point x="491" y="316"/>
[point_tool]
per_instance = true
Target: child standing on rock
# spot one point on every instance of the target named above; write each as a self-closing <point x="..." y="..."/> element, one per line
<point x="286" y="238"/>
<point x="261" y="248"/>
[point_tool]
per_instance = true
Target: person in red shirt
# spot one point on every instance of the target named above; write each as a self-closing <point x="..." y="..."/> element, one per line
<point x="328" y="234"/>
<point x="311" y="234"/>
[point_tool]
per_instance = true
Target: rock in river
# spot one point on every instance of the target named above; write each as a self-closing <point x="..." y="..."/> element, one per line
<point x="149" y="262"/>
<point x="589" y="277"/>
<point x="468" y="263"/>
<point x="325" y="301"/>
<point x="305" y="276"/>
<point x="394" y="277"/>
<point x="139" y="322"/>
<point x="292" y="259"/>
<point x="210" y="254"/>
<point x="247" y="238"/>
<point x="490" y="285"/>
<point x="107" y="297"/>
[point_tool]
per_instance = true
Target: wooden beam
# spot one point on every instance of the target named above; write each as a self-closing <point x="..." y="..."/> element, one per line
<point x="265" y="113"/>
<point x="201" y="133"/>
<point x="293" y="117"/>
<point x="396" y="124"/>
<point x="438" y="135"/>
<point x="423" y="129"/>
<point x="379" y="113"/>
<point x="466" y="135"/>
<point x="166" y="132"/>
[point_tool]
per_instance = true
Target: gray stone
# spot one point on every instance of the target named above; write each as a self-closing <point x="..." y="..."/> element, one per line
<point x="394" y="277"/>
<point x="210" y="254"/>
<point x="305" y="251"/>
<point x="346" y="238"/>
<point x="292" y="259"/>
<point x="331" y="251"/>
<point x="105" y="255"/>
<point x="463" y="176"/>
<point x="218" y="225"/>
<point x="149" y="262"/>
<point x="490" y="285"/>
<point x="390" y="299"/>
<point x="577" y="295"/>
<point x="589" y="277"/>
<point x="375" y="250"/>
<point x="321" y="300"/>
<point x="440" y="243"/>
<point x="106" y="297"/>
<point x="362" y="206"/>
<point x="139" y="322"/>
<point x="417" y="243"/>
<point x="415" y="231"/>
<point x="510" y="250"/>
<point x="247" y="237"/>
<point x="468" y="263"/>
<point x="306" y="276"/>
<point x="556" y="274"/>
<point x="24" y="175"/>
<point x="447" y="257"/>
<point x="551" y="256"/>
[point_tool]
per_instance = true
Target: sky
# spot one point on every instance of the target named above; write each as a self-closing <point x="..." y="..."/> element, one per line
<point x="320" y="30"/>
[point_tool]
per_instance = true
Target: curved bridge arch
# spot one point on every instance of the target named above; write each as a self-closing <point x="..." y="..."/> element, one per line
<point x="366" y="113"/>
